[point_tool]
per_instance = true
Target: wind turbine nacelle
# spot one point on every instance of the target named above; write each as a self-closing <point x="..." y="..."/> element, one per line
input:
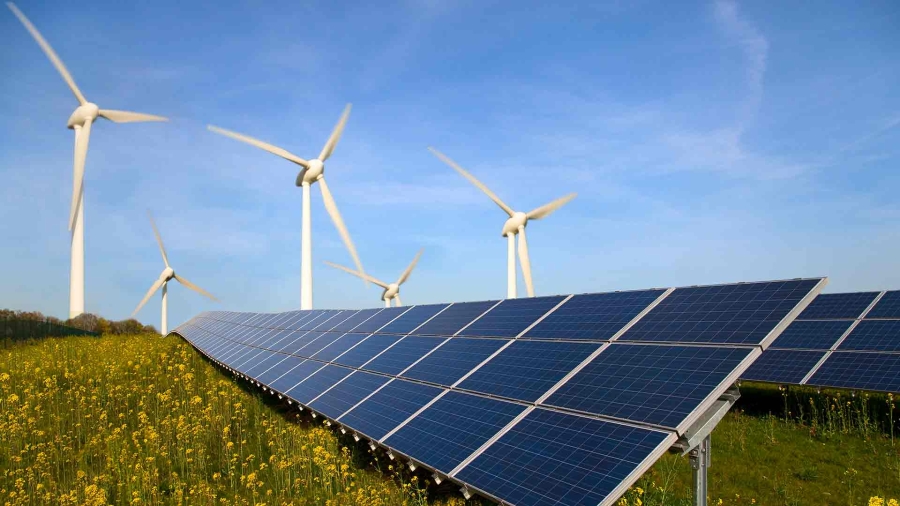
<point x="168" y="273"/>
<point x="518" y="219"/>
<point x="311" y="174"/>
<point x="82" y="114"/>
<point x="392" y="290"/>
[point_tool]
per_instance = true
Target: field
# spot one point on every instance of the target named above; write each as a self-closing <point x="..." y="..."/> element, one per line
<point x="145" y="420"/>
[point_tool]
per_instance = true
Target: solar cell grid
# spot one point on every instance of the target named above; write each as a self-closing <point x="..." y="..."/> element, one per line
<point x="268" y="360"/>
<point x="812" y="335"/>
<point x="412" y="318"/>
<point x="452" y="428"/>
<point x="551" y="458"/>
<point x="725" y="314"/>
<point x="287" y="380"/>
<point x="339" y="346"/>
<point x="511" y="317"/>
<point x="400" y="356"/>
<point x="859" y="371"/>
<point x="381" y="319"/>
<point x="527" y="369"/>
<point x="783" y="366"/>
<point x="654" y="384"/>
<point x="838" y="305"/>
<point x="873" y="335"/>
<point x="887" y="307"/>
<point x="389" y="407"/>
<point x="347" y="393"/>
<point x="314" y="385"/>
<point x="596" y="316"/>
<point x="296" y="345"/>
<point x="455" y="317"/>
<point x="367" y="349"/>
<point x="350" y="323"/>
<point x="453" y="360"/>
<point x="287" y="363"/>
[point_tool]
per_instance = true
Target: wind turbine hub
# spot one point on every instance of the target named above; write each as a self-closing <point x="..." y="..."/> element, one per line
<point x="518" y="219"/>
<point x="312" y="173"/>
<point x="168" y="273"/>
<point x="391" y="291"/>
<point x="82" y="114"/>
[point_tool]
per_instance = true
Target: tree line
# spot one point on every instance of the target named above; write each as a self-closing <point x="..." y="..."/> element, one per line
<point x="11" y="320"/>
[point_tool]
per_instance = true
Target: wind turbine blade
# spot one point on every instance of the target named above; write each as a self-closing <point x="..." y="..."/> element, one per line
<point x="408" y="271"/>
<point x="158" y="283"/>
<point x="49" y="52"/>
<point x="81" y="148"/>
<point x="525" y="261"/>
<point x="360" y="275"/>
<point x="546" y="209"/>
<point x="265" y="146"/>
<point x="335" y="135"/>
<point x="162" y="249"/>
<point x="472" y="179"/>
<point x="129" y="117"/>
<point x="397" y="298"/>
<point x="332" y="209"/>
<point x="195" y="287"/>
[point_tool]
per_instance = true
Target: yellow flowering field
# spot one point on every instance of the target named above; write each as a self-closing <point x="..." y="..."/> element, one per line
<point x="146" y="420"/>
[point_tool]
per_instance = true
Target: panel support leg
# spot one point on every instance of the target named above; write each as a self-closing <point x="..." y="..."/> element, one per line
<point x="700" y="470"/>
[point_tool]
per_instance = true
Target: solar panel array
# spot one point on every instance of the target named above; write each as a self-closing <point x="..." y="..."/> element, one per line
<point x="841" y="340"/>
<point x="548" y="400"/>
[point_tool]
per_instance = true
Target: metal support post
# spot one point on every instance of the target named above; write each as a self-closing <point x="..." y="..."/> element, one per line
<point x="700" y="470"/>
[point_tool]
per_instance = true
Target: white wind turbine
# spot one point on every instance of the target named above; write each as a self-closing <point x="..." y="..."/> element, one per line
<point x="515" y="225"/>
<point x="163" y="281"/>
<point x="391" y="290"/>
<point x="80" y="121"/>
<point x="313" y="171"/>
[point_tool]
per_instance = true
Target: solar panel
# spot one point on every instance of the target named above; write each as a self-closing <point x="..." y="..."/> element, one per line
<point x="812" y="335"/>
<point x="452" y="428"/>
<point x="553" y="458"/>
<point x="511" y="427"/>
<point x="454" y="318"/>
<point x="511" y="317"/>
<point x="402" y="355"/>
<point x="783" y="366"/>
<point x="347" y="393"/>
<point x="388" y="408"/>
<point x="661" y="385"/>
<point x="724" y="314"/>
<point x="887" y="307"/>
<point x="453" y="360"/>
<point x="527" y="369"/>
<point x="873" y="335"/>
<point x="596" y="316"/>
<point x="838" y="305"/>
<point x="859" y="370"/>
<point x="412" y="318"/>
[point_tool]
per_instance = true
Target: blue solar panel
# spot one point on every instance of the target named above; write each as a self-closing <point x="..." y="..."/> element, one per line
<point x="310" y="320"/>
<point x="314" y="385"/>
<point x="859" y="371"/>
<point x="453" y="360"/>
<point x="268" y="360"/>
<point x="339" y="346"/>
<point x="783" y="366"/>
<point x="551" y="458"/>
<point x="294" y="344"/>
<point x="454" y="318"/>
<point x="411" y="319"/>
<point x="873" y="335"/>
<point x="397" y="358"/>
<point x="726" y="314"/>
<point x="887" y="307"/>
<point x="389" y="407"/>
<point x="595" y="316"/>
<point x="357" y="318"/>
<point x="653" y="384"/>
<point x="838" y="305"/>
<point x="329" y="319"/>
<point x="366" y="350"/>
<point x="511" y="317"/>
<point x="452" y="428"/>
<point x="319" y="344"/>
<point x="380" y="320"/>
<point x="347" y="393"/>
<point x="295" y="375"/>
<point x="288" y="363"/>
<point x="527" y="369"/>
<point x="812" y="335"/>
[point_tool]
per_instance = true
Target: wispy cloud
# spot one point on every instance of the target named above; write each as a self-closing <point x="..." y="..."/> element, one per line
<point x="753" y="44"/>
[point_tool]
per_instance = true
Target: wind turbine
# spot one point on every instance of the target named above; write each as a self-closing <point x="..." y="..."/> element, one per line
<point x="515" y="225"/>
<point x="163" y="281"/>
<point x="312" y="171"/>
<point x="80" y="121"/>
<point x="391" y="290"/>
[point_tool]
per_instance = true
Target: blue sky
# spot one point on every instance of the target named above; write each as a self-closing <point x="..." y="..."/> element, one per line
<point x="708" y="141"/>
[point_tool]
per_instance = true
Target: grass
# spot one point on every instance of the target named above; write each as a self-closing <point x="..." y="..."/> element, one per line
<point x="145" y="420"/>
